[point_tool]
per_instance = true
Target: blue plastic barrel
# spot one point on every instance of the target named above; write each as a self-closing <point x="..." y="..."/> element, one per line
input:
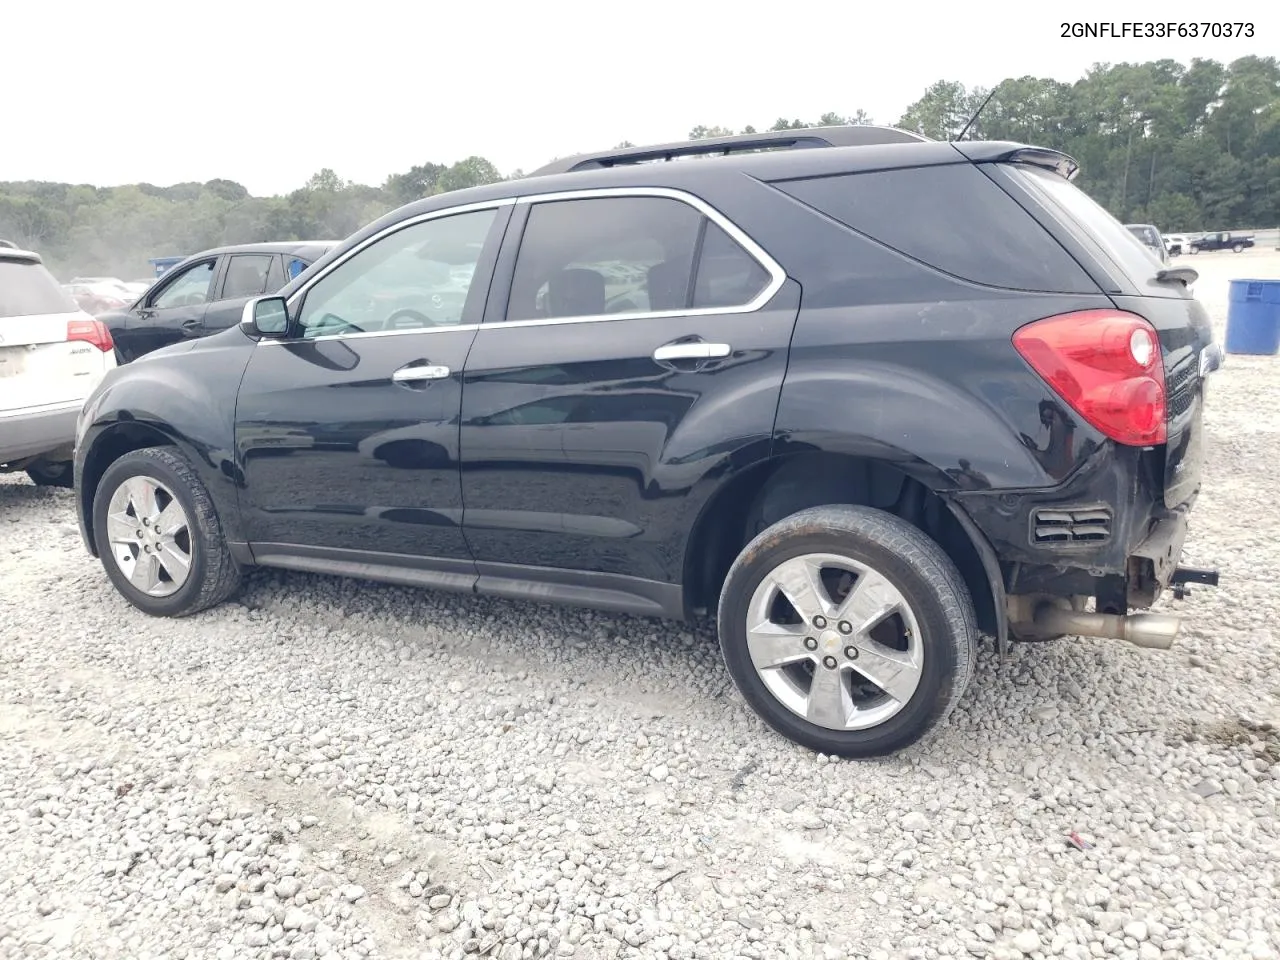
<point x="1253" y="317"/>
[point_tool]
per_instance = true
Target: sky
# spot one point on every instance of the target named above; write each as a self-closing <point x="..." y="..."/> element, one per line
<point x="266" y="94"/>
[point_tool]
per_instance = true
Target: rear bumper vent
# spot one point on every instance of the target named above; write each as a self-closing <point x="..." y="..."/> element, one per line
<point x="1075" y="525"/>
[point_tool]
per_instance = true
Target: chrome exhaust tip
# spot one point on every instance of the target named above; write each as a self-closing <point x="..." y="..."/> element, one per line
<point x="1153" y="631"/>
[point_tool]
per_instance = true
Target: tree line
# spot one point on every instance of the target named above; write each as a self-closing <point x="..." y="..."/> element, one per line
<point x="1187" y="147"/>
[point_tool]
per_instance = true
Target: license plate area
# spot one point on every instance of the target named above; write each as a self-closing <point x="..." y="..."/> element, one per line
<point x="13" y="361"/>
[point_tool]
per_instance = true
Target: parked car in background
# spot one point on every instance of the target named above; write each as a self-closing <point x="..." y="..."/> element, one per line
<point x="1150" y="238"/>
<point x="726" y="388"/>
<point x="1221" y="241"/>
<point x="52" y="355"/>
<point x="1176" y="243"/>
<point x="91" y="301"/>
<point x="205" y="293"/>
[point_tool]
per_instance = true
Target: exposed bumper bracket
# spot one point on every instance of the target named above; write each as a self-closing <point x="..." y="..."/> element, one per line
<point x="1194" y="575"/>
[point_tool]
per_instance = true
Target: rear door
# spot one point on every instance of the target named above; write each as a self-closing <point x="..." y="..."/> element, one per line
<point x="172" y="311"/>
<point x="635" y="346"/>
<point x="39" y="365"/>
<point x="245" y="276"/>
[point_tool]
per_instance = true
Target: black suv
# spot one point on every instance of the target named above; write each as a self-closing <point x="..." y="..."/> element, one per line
<point x="858" y="394"/>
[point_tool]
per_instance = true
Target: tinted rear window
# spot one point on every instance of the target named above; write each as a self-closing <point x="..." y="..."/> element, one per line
<point x="1138" y="261"/>
<point x="952" y="218"/>
<point x="28" y="290"/>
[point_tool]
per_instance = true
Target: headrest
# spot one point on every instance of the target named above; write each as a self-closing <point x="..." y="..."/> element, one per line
<point x="576" y="293"/>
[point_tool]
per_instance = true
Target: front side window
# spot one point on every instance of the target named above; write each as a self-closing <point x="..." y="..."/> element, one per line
<point x="416" y="278"/>
<point x="189" y="288"/>
<point x="246" y="275"/>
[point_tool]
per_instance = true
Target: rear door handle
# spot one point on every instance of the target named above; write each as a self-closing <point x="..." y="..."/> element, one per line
<point x="693" y="350"/>
<point x="424" y="372"/>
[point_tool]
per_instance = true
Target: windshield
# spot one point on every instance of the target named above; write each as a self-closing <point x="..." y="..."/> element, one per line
<point x="1139" y="262"/>
<point x="27" y="289"/>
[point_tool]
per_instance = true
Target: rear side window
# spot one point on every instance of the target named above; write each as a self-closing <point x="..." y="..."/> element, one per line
<point x="27" y="289"/>
<point x="728" y="276"/>
<point x="953" y="218"/>
<point x="627" y="255"/>
<point x="246" y="275"/>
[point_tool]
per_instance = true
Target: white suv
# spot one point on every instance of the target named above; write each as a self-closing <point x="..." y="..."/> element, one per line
<point x="52" y="355"/>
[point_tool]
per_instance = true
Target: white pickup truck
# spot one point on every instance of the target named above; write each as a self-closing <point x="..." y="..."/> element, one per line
<point x="52" y="355"/>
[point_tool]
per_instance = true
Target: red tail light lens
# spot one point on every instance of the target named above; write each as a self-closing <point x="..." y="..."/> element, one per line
<point x="1107" y="366"/>
<point x="91" y="331"/>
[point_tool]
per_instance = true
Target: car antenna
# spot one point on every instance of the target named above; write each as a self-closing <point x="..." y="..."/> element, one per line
<point x="991" y="94"/>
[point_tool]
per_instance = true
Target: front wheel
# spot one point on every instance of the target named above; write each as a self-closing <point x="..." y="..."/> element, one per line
<point x="1237" y="247"/>
<point x="848" y="630"/>
<point x="159" y="537"/>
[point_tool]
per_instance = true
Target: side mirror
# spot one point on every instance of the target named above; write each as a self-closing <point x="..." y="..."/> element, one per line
<point x="266" y="317"/>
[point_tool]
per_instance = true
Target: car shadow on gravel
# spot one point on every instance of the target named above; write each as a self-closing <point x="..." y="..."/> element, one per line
<point x="1040" y="698"/>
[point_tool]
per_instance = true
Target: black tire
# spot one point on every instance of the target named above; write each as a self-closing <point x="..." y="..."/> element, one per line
<point x="1237" y="248"/>
<point x="214" y="575"/>
<point x="46" y="474"/>
<point x="1194" y="250"/>
<point x="921" y="572"/>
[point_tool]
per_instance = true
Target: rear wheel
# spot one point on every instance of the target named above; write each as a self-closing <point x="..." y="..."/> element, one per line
<point x="52" y="474"/>
<point x="848" y="630"/>
<point x="159" y="536"/>
<point x="1236" y="248"/>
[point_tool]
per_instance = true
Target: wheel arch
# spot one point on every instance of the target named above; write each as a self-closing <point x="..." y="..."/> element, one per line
<point x="784" y="485"/>
<point x="108" y="446"/>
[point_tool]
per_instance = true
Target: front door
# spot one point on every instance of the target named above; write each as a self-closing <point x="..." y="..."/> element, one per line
<point x="172" y="312"/>
<point x="347" y="431"/>
<point x="640" y="354"/>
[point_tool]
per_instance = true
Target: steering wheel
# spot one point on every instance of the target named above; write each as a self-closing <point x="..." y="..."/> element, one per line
<point x="417" y="317"/>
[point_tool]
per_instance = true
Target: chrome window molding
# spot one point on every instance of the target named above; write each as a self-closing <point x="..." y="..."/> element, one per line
<point x="777" y="276"/>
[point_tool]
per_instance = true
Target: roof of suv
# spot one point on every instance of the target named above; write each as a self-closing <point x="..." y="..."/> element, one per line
<point x="299" y="247"/>
<point x="776" y="155"/>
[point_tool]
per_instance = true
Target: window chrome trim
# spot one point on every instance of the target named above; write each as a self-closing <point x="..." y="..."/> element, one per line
<point x="777" y="276"/>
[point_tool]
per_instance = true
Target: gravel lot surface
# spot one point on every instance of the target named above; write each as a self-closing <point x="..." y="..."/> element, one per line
<point x="326" y="768"/>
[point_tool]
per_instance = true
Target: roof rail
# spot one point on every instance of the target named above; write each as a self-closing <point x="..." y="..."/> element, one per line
<point x="850" y="135"/>
<point x="8" y="243"/>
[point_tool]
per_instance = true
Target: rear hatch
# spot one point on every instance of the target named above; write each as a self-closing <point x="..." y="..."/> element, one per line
<point x="1180" y="321"/>
<point x="50" y="351"/>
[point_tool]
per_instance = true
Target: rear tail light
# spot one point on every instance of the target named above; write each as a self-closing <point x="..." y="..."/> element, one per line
<point x="1107" y="366"/>
<point x="90" y="331"/>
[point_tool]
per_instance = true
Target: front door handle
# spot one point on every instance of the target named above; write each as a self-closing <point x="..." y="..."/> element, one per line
<point x="424" y="372"/>
<point x="692" y="350"/>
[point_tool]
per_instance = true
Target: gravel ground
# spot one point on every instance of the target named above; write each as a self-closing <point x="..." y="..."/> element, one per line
<point x="332" y="769"/>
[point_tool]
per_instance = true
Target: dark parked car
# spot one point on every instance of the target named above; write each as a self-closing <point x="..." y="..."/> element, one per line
<point x="1234" y="242"/>
<point x="766" y="385"/>
<point x="206" y="293"/>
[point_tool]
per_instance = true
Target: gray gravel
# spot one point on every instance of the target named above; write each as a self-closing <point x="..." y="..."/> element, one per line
<point x="327" y="768"/>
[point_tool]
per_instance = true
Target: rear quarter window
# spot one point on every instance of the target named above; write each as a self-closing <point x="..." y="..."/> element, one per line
<point x="1085" y="215"/>
<point x="27" y="289"/>
<point x="952" y="218"/>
